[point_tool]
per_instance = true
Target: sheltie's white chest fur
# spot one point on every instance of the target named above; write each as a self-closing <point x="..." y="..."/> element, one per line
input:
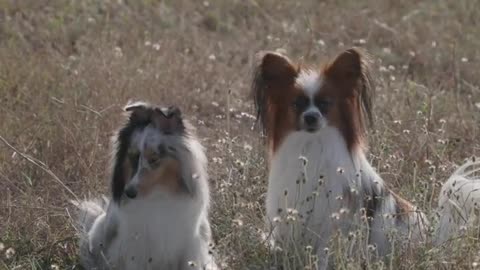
<point x="156" y="233"/>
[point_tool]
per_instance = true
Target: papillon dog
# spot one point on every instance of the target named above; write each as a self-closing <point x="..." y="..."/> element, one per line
<point x="157" y="217"/>
<point x="320" y="182"/>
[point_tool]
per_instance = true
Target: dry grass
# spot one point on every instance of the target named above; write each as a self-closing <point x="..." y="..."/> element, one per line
<point x="67" y="68"/>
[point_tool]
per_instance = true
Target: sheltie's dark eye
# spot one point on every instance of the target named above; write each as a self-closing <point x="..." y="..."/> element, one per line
<point x="133" y="158"/>
<point x="161" y="150"/>
<point x="301" y="103"/>
<point x="153" y="159"/>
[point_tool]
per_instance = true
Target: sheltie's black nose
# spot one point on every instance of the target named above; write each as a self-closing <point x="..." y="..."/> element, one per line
<point x="131" y="192"/>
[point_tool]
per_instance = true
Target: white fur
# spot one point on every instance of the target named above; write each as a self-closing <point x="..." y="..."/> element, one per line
<point x="309" y="81"/>
<point x="325" y="153"/>
<point x="162" y="230"/>
<point x="339" y="200"/>
<point x="347" y="178"/>
<point x="459" y="202"/>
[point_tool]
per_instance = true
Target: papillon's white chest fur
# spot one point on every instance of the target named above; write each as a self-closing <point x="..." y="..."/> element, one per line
<point x="306" y="182"/>
<point x="316" y="188"/>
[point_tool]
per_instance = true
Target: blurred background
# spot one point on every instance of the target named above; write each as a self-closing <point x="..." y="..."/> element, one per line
<point x="68" y="67"/>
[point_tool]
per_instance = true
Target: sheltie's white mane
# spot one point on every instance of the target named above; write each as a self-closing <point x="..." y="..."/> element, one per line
<point x="161" y="229"/>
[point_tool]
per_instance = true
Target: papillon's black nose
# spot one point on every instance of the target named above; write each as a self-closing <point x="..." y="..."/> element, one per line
<point x="131" y="192"/>
<point x="311" y="118"/>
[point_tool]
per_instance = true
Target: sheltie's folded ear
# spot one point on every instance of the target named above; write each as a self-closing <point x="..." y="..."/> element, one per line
<point x="168" y="120"/>
<point x="137" y="105"/>
<point x="138" y="111"/>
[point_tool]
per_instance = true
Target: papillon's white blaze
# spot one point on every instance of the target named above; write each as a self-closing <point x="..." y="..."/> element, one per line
<point x="291" y="98"/>
<point x="158" y="216"/>
<point x="320" y="182"/>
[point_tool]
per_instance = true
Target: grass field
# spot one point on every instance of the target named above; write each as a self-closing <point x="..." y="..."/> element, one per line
<point x="68" y="67"/>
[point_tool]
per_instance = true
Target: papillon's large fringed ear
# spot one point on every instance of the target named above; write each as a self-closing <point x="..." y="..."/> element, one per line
<point x="273" y="74"/>
<point x="351" y="72"/>
<point x="276" y="68"/>
<point x="347" y="67"/>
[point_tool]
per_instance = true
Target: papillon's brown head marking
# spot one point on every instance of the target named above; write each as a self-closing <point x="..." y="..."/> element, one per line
<point x="290" y="97"/>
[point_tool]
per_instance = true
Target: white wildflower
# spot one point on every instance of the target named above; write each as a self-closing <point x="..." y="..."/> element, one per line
<point x="9" y="253"/>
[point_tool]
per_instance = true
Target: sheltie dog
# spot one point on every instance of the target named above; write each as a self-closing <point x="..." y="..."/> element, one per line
<point x="157" y="217"/>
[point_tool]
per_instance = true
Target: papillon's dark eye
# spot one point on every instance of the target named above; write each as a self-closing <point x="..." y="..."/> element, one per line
<point x="323" y="105"/>
<point x="301" y="102"/>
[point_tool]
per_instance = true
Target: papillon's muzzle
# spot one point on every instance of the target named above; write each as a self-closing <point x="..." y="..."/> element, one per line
<point x="311" y="121"/>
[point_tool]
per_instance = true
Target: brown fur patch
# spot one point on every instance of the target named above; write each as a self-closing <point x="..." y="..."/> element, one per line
<point x="167" y="175"/>
<point x="348" y="83"/>
<point x="281" y="119"/>
<point x="404" y="207"/>
<point x="274" y="91"/>
<point x="403" y="204"/>
<point x="344" y="114"/>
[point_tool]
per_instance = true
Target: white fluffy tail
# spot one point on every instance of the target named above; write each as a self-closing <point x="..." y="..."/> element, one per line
<point x="459" y="202"/>
<point x="88" y="213"/>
